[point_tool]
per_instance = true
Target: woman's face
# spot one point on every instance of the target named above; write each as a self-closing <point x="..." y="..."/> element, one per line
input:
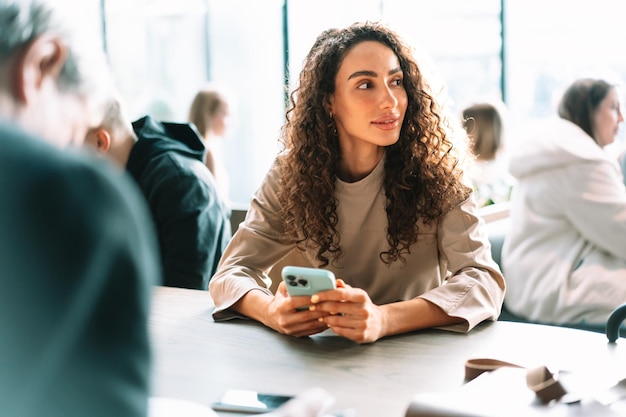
<point x="219" y="121"/>
<point x="369" y="102"/>
<point x="607" y="118"/>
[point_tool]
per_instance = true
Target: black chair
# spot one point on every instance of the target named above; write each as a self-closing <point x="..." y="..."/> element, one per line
<point x="237" y="216"/>
<point x="614" y="328"/>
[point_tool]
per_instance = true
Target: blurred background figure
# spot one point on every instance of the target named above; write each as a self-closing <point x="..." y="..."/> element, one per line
<point x="564" y="256"/>
<point x="211" y="111"/>
<point x="166" y="161"/>
<point x="485" y="126"/>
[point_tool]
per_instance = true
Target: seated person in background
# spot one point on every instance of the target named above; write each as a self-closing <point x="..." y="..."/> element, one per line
<point x="166" y="161"/>
<point x="210" y="112"/>
<point x="565" y="254"/>
<point x="484" y="123"/>
<point x="77" y="255"/>
<point x="369" y="187"/>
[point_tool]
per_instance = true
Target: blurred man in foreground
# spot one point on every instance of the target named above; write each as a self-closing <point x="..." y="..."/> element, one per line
<point x="77" y="256"/>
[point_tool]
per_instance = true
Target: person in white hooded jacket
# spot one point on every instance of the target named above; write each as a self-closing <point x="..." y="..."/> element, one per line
<point x="564" y="257"/>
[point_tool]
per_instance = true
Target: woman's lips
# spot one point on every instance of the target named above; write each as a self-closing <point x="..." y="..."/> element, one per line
<point x="386" y="123"/>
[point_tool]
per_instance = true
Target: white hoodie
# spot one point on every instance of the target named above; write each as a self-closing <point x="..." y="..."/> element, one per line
<point x="564" y="257"/>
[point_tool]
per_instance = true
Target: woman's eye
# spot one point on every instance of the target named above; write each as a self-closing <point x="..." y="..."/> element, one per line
<point x="397" y="82"/>
<point x="364" y="86"/>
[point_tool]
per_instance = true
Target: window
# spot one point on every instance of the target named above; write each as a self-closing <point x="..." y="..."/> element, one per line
<point x="459" y="39"/>
<point x="463" y="40"/>
<point x="547" y="49"/>
<point x="162" y="51"/>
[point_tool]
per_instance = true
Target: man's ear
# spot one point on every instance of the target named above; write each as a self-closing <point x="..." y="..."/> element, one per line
<point x="100" y="139"/>
<point x="44" y="57"/>
<point x="103" y="141"/>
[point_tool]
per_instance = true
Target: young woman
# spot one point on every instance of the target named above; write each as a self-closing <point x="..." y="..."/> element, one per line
<point x="565" y="253"/>
<point x="369" y="186"/>
<point x="210" y="113"/>
<point x="485" y="125"/>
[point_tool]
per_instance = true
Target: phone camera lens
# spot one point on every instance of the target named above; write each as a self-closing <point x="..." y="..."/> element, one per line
<point x="303" y="282"/>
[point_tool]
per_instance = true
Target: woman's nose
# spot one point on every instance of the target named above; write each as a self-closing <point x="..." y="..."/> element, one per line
<point x="389" y="98"/>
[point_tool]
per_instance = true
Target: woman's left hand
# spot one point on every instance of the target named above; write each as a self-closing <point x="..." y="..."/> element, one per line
<point x="352" y="313"/>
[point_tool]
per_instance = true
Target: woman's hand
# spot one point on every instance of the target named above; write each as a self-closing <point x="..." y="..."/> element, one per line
<point x="350" y="313"/>
<point x="282" y="316"/>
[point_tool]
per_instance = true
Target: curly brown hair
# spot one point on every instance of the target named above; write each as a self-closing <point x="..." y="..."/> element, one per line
<point x="423" y="178"/>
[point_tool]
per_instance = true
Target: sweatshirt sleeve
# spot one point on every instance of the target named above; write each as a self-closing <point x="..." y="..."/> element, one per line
<point x="257" y="246"/>
<point x="474" y="288"/>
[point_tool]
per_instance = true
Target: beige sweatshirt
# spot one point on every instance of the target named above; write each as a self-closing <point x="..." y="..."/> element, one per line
<point x="450" y="265"/>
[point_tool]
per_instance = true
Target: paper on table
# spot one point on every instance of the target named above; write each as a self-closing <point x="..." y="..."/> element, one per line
<point x="498" y="393"/>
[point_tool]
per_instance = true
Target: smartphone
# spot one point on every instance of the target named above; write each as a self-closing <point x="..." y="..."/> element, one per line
<point x="245" y="401"/>
<point x="307" y="281"/>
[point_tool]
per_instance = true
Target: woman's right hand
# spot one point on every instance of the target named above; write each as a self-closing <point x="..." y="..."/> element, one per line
<point x="282" y="315"/>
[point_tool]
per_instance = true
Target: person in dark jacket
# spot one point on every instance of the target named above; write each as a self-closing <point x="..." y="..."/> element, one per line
<point x="167" y="161"/>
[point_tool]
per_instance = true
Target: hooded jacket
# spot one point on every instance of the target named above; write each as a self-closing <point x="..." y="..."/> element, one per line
<point x="564" y="257"/>
<point x="192" y="222"/>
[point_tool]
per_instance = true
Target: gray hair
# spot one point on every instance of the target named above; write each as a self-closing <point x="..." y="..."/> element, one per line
<point x="22" y="21"/>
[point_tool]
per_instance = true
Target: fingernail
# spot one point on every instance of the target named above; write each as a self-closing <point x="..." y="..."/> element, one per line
<point x="311" y="308"/>
<point x="321" y="319"/>
<point x="315" y="298"/>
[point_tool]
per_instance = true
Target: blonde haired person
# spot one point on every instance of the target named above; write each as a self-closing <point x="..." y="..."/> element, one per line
<point x="210" y="112"/>
<point x="369" y="187"/>
<point x="485" y="125"/>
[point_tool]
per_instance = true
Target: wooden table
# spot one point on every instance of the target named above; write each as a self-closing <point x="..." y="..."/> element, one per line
<point x="197" y="359"/>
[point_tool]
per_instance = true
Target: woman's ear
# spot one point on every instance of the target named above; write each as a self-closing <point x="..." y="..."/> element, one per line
<point x="329" y="107"/>
<point x="42" y="59"/>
